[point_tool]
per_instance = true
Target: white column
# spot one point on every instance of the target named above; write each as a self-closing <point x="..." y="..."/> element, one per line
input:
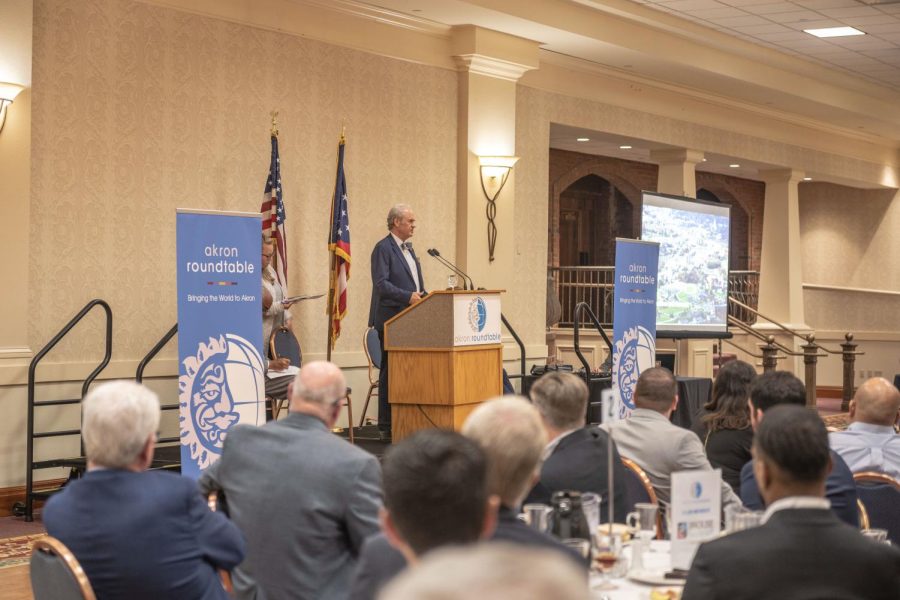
<point x="677" y="171"/>
<point x="780" y="272"/>
<point x="490" y="64"/>
<point x="15" y="182"/>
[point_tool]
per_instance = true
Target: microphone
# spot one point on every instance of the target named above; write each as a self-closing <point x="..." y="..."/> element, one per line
<point x="437" y="255"/>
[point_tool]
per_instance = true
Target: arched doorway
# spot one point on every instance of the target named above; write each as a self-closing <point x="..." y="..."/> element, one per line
<point x="592" y="213"/>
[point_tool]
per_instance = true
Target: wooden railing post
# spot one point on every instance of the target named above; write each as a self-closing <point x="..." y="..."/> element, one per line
<point x="848" y="351"/>
<point x="770" y="354"/>
<point x="810" y="357"/>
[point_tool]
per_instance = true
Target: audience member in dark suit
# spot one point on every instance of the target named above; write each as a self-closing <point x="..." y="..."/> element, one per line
<point x="781" y="387"/>
<point x="801" y="550"/>
<point x="725" y="431"/>
<point x="576" y="457"/>
<point x="509" y="431"/>
<point x="138" y="535"/>
<point x="396" y="283"/>
<point x="304" y="498"/>
<point x="435" y="495"/>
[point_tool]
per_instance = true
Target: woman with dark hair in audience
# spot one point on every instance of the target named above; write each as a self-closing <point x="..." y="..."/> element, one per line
<point x="725" y="431"/>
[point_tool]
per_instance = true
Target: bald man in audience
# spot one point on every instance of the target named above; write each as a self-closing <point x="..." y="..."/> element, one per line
<point x="138" y="534"/>
<point x="871" y="442"/>
<point x="304" y="497"/>
<point x="801" y="550"/>
<point x="660" y="448"/>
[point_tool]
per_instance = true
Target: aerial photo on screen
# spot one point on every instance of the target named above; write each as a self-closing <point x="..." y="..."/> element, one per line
<point x="693" y="266"/>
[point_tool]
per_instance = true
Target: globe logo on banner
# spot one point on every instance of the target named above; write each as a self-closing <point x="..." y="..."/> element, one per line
<point x="226" y="371"/>
<point x="633" y="354"/>
<point x="477" y="314"/>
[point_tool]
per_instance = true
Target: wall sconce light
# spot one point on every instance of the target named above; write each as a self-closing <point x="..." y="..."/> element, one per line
<point x="494" y="173"/>
<point x="8" y="93"/>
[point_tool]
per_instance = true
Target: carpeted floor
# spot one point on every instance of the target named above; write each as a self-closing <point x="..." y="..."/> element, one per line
<point x="15" y="551"/>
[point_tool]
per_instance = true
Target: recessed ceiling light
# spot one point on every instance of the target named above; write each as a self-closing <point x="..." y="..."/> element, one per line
<point x="625" y="147"/>
<point x="735" y="166"/>
<point x="829" y="32"/>
<point x="807" y="179"/>
<point x="582" y="139"/>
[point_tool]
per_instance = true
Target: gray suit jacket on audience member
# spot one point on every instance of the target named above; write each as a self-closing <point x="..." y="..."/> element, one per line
<point x="304" y="499"/>
<point x="661" y="448"/>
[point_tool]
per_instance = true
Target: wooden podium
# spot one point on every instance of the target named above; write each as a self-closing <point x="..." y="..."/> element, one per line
<point x="446" y="357"/>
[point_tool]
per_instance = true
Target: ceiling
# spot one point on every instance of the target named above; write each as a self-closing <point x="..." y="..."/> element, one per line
<point x="779" y="25"/>
<point x="751" y="53"/>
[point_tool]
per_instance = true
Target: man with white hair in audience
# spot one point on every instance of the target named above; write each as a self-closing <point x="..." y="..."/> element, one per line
<point x="491" y="572"/>
<point x="304" y="498"/>
<point x="509" y="433"/>
<point x="138" y="534"/>
<point x="870" y="442"/>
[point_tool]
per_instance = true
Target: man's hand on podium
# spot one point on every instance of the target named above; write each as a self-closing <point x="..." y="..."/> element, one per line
<point x="415" y="297"/>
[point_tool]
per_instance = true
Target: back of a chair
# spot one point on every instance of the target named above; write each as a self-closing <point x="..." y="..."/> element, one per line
<point x="881" y="495"/>
<point x="373" y="349"/>
<point x="637" y="485"/>
<point x="56" y="574"/>
<point x="284" y="344"/>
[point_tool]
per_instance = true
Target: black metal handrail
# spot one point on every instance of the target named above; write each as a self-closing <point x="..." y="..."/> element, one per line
<point x="518" y="340"/>
<point x="576" y="326"/>
<point x="32" y="370"/>
<point x="139" y="374"/>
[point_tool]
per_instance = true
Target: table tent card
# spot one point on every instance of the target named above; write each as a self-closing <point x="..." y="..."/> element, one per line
<point x="695" y="513"/>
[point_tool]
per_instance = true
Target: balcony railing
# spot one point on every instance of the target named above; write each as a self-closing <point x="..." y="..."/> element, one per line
<point x="594" y="285"/>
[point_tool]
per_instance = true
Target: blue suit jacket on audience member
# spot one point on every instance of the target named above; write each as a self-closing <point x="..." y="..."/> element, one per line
<point x="840" y="489"/>
<point x="392" y="281"/>
<point x="144" y="536"/>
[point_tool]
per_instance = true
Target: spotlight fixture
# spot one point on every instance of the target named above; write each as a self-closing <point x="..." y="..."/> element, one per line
<point x="582" y="139"/>
<point x="735" y="166"/>
<point x="626" y="147"/>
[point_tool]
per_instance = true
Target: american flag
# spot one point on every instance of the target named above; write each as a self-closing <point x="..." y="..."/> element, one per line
<point x="339" y="244"/>
<point x="273" y="215"/>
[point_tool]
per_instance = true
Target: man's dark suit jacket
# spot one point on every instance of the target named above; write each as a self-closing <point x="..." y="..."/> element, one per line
<point x="144" y="535"/>
<point x="579" y="462"/>
<point x="392" y="282"/>
<point x="798" y="554"/>
<point x="379" y="562"/>
<point x="840" y="489"/>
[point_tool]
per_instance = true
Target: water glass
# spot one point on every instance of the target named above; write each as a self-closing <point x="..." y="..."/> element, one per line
<point x="590" y="505"/>
<point x="607" y="555"/>
<point x="451" y="282"/>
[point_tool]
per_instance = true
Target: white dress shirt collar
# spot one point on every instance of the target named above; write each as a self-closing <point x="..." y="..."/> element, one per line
<point x="796" y="502"/>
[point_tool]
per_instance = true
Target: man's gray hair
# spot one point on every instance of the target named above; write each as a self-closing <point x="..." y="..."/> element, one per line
<point x="397" y="211"/>
<point x="118" y="418"/>
<point x="509" y="430"/>
<point x="494" y="571"/>
<point x="562" y="400"/>
<point x="320" y="382"/>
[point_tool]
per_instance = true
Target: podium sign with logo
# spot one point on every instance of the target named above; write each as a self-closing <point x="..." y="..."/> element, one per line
<point x="221" y="374"/>
<point x="476" y="319"/>
<point x="446" y="358"/>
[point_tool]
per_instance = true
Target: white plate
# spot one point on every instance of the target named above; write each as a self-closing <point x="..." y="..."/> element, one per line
<point x="653" y="578"/>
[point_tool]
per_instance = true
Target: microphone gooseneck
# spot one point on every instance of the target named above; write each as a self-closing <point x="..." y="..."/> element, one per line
<point x="433" y="252"/>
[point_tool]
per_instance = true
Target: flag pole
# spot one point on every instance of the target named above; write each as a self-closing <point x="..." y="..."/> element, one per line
<point x="332" y="277"/>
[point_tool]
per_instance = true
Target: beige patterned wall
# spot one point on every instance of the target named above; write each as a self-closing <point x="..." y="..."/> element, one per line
<point x="140" y="109"/>
<point x="850" y="239"/>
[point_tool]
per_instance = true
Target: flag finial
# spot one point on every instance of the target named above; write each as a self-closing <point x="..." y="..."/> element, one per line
<point x="274" y="115"/>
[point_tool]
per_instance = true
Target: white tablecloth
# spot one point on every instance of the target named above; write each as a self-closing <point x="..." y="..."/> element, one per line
<point x="656" y="560"/>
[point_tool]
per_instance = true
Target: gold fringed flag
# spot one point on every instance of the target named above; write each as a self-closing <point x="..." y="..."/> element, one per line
<point x="339" y="245"/>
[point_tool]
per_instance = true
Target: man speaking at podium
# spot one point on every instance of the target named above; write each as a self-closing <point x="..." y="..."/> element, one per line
<point x="396" y="284"/>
